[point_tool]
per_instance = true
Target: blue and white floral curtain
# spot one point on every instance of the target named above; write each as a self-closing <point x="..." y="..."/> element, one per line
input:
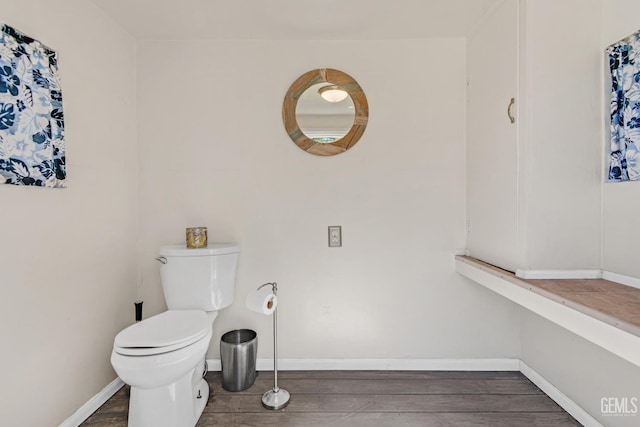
<point x="624" y="62"/>
<point x="31" y="121"/>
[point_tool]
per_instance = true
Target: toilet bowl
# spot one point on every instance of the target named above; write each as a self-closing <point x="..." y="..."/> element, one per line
<point x="163" y="360"/>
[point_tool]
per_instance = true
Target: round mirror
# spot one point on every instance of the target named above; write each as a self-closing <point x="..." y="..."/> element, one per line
<point x="325" y="120"/>
<point x="325" y="112"/>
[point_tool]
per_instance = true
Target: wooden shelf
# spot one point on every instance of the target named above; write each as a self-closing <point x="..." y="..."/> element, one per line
<point x="603" y="312"/>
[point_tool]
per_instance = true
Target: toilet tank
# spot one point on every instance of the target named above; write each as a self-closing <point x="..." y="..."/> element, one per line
<point x="199" y="279"/>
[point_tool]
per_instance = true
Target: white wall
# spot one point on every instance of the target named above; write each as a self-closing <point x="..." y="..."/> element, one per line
<point x="566" y="148"/>
<point x="329" y="123"/>
<point x="534" y="187"/>
<point x="620" y="200"/>
<point x="492" y="140"/>
<point x="583" y="371"/>
<point x="67" y="259"/>
<point x="563" y="148"/>
<point x="214" y="152"/>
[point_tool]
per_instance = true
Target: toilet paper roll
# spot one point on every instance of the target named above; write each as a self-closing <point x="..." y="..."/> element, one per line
<point x="263" y="301"/>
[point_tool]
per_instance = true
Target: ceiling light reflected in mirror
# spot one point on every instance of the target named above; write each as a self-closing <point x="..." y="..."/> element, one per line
<point x="325" y="113"/>
<point x="333" y="93"/>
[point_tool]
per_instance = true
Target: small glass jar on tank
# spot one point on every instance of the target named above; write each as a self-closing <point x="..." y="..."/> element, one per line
<point x="196" y="237"/>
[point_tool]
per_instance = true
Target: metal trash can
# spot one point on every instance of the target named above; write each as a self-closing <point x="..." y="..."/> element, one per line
<point x="238" y="353"/>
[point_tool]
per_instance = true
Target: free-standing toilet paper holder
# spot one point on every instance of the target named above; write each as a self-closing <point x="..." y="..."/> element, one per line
<point x="276" y="398"/>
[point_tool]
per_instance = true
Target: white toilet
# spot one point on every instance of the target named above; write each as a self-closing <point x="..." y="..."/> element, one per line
<point x="162" y="358"/>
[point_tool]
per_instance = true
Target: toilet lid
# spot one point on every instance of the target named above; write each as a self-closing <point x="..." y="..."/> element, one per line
<point x="211" y="249"/>
<point x="168" y="331"/>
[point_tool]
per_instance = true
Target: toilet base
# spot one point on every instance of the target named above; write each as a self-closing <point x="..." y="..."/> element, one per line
<point x="203" y="391"/>
<point x="177" y="404"/>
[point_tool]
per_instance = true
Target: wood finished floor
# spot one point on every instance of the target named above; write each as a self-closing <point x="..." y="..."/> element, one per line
<point x="373" y="399"/>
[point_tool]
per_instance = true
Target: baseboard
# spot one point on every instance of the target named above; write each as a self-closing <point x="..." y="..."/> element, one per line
<point x="93" y="404"/>
<point x="382" y="364"/>
<point x="559" y="274"/>
<point x="559" y="397"/>
<point x="619" y="278"/>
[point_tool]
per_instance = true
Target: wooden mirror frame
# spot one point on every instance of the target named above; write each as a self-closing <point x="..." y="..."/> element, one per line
<point x="360" y="104"/>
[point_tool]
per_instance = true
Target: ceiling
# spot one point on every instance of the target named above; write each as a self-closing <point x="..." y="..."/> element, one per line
<point x="295" y="19"/>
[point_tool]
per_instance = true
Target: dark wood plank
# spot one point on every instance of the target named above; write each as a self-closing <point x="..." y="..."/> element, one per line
<point x="284" y="419"/>
<point x="340" y="403"/>
<point x="356" y="387"/>
<point x="116" y="406"/>
<point x="118" y="403"/>
<point x="384" y="375"/>
<point x="100" y="419"/>
<point x="373" y="398"/>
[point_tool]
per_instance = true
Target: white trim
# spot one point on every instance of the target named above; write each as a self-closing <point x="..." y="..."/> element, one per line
<point x="214" y="365"/>
<point x="559" y="397"/>
<point x="93" y="404"/>
<point x="619" y="278"/>
<point x="382" y="364"/>
<point x="462" y="251"/>
<point x="610" y="337"/>
<point x="559" y="274"/>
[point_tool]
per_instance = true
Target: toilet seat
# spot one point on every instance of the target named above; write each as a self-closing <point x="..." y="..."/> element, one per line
<point x="165" y="332"/>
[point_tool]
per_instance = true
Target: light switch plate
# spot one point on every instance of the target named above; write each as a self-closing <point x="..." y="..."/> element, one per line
<point x="335" y="236"/>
